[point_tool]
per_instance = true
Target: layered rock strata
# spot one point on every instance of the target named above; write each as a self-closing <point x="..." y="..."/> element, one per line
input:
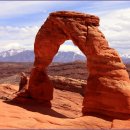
<point x="108" y="84"/>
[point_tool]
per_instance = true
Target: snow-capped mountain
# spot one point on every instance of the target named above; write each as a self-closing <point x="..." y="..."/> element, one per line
<point x="125" y="58"/>
<point x="10" y="52"/>
<point x="125" y="55"/>
<point x="22" y="55"/>
<point x="69" y="56"/>
<point x="14" y="55"/>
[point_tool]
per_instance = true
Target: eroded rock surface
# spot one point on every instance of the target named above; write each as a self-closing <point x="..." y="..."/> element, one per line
<point x="63" y="103"/>
<point x="108" y="85"/>
<point x="65" y="113"/>
<point x="29" y="116"/>
<point x="69" y="84"/>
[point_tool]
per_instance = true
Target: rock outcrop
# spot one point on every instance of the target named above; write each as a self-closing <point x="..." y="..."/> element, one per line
<point x="23" y="82"/>
<point x="65" y="113"/>
<point x="69" y="84"/>
<point x="108" y="84"/>
<point x="36" y="117"/>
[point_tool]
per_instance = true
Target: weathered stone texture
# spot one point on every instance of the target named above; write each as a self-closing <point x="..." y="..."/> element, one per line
<point x="108" y="85"/>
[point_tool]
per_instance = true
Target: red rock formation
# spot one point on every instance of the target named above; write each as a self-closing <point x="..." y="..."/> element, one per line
<point x="108" y="85"/>
<point x="65" y="113"/>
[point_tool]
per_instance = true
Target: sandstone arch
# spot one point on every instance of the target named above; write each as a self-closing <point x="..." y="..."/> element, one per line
<point x="108" y="87"/>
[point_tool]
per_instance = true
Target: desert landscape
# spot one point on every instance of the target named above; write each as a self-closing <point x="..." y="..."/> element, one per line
<point x="66" y="105"/>
<point x="91" y="92"/>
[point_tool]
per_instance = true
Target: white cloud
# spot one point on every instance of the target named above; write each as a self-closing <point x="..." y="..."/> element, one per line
<point x="115" y="24"/>
<point x="11" y="45"/>
<point x="17" y="37"/>
<point x="116" y="27"/>
<point x="24" y="37"/>
<point x="17" y="8"/>
<point x="68" y="46"/>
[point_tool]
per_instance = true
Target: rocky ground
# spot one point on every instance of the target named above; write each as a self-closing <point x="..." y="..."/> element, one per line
<point x="66" y="105"/>
<point x="65" y="113"/>
<point x="76" y="70"/>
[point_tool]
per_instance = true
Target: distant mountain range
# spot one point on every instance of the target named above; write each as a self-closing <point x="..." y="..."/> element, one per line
<point x="14" y="55"/>
<point x="22" y="55"/>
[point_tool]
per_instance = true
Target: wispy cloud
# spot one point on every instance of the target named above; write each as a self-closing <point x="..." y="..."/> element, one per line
<point x="116" y="27"/>
<point x="14" y="37"/>
<point x="20" y="21"/>
<point x="18" y="8"/>
<point x="69" y="46"/>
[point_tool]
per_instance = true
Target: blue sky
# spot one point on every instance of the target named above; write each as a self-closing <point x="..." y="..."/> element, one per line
<point x="20" y="21"/>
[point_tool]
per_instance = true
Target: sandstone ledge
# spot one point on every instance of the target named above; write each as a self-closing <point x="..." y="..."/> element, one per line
<point x="12" y="116"/>
<point x="90" y="19"/>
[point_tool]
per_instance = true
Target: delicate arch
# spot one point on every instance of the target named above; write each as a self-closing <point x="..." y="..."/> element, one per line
<point x="107" y="72"/>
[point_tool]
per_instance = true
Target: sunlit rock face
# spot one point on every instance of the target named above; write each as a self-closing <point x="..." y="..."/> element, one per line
<point x="108" y="86"/>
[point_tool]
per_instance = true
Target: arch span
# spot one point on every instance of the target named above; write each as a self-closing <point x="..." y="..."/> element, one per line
<point x="108" y="88"/>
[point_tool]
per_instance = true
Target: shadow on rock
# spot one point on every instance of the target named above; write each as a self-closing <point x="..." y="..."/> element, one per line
<point x="32" y="105"/>
<point x="108" y="117"/>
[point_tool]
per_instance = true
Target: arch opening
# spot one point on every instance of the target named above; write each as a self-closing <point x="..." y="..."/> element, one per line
<point x="68" y="52"/>
<point x="107" y="72"/>
<point x="69" y="77"/>
<point x="70" y="62"/>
